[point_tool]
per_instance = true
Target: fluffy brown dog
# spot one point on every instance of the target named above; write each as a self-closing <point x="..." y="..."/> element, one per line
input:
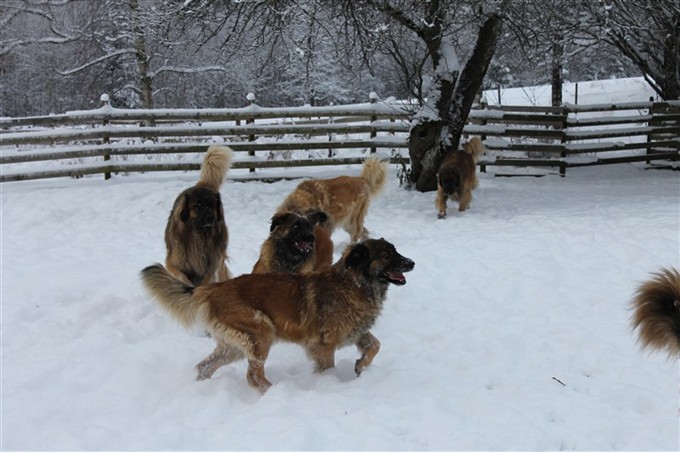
<point x="196" y="235"/>
<point x="657" y="312"/>
<point x="321" y="311"/>
<point x="457" y="176"/>
<point x="296" y="243"/>
<point x="345" y="199"/>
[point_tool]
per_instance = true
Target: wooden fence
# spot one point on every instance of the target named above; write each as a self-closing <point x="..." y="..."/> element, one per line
<point x="109" y="140"/>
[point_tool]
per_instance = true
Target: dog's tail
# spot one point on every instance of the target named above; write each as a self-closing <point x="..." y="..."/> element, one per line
<point x="374" y="173"/>
<point x="216" y="163"/>
<point x="175" y="296"/>
<point x="475" y="148"/>
<point x="657" y="312"/>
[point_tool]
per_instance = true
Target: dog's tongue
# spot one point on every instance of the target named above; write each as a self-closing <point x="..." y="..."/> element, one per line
<point x="396" y="277"/>
<point x="304" y="246"/>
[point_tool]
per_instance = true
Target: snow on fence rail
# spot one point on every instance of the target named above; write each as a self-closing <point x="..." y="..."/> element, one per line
<point x="109" y="140"/>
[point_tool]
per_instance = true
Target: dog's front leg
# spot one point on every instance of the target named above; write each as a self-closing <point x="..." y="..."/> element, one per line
<point x="369" y="346"/>
<point x="464" y="201"/>
<point x="440" y="202"/>
<point x="256" y="377"/>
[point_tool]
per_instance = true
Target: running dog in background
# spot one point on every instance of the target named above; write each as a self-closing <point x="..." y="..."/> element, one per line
<point x="345" y="199"/>
<point x="196" y="235"/>
<point x="457" y="176"/>
<point x="322" y="311"/>
<point x="656" y="314"/>
<point x="296" y="243"/>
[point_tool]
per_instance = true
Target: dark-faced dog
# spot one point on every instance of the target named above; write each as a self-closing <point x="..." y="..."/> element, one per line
<point x="457" y="176"/>
<point x="322" y="311"/>
<point x="657" y="312"/>
<point x="196" y="234"/>
<point x="296" y="243"/>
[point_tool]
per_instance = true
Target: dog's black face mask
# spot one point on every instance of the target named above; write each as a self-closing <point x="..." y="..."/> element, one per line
<point x="203" y="207"/>
<point x="379" y="259"/>
<point x="449" y="181"/>
<point x="297" y="231"/>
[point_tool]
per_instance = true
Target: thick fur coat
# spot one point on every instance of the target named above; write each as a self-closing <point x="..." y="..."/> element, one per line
<point x="321" y="311"/>
<point x="345" y="199"/>
<point x="196" y="235"/>
<point x="457" y="176"/>
<point x="656" y="312"/>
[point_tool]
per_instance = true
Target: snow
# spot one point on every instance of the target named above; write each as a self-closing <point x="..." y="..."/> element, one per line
<point x="512" y="331"/>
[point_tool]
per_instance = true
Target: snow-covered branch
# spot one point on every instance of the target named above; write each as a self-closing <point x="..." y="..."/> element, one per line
<point x="97" y="61"/>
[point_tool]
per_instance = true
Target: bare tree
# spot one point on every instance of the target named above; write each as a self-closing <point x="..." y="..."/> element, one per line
<point x="645" y="31"/>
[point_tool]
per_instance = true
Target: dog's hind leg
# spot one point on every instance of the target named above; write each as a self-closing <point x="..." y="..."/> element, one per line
<point x="355" y="223"/>
<point x="323" y="356"/>
<point x="224" y="354"/>
<point x="369" y="346"/>
<point x="465" y="200"/>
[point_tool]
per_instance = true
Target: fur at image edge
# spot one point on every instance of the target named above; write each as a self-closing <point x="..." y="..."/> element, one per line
<point x="656" y="312"/>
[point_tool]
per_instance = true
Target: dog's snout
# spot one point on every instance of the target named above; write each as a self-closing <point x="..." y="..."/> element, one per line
<point x="407" y="263"/>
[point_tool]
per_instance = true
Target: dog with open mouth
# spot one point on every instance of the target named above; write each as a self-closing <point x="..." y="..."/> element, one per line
<point x="321" y="311"/>
<point x="296" y="243"/>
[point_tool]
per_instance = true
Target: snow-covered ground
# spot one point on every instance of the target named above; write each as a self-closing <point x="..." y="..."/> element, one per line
<point x="511" y="333"/>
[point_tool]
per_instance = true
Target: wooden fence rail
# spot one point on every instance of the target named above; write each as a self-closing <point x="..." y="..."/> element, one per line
<point x="109" y="140"/>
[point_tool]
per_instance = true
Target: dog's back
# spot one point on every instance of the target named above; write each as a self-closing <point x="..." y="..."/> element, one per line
<point x="344" y="198"/>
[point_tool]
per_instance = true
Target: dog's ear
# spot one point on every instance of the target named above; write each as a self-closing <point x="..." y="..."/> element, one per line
<point x="184" y="212"/>
<point x="317" y="217"/>
<point x="277" y="220"/>
<point x="358" y="256"/>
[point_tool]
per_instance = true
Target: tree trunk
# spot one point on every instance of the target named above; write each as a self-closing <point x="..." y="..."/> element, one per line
<point x="556" y="71"/>
<point x="141" y="56"/>
<point x="431" y="139"/>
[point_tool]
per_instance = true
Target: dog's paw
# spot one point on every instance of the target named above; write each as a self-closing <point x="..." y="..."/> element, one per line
<point x="441" y="215"/>
<point x="359" y="367"/>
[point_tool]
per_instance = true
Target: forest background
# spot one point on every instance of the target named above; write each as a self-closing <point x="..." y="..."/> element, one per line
<point x="60" y="55"/>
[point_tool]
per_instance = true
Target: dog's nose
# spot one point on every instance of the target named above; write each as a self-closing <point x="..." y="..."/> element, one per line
<point x="408" y="264"/>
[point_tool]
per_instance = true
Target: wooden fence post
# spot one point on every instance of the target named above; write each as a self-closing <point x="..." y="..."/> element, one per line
<point x="651" y="123"/>
<point x="373" y="98"/>
<point x="330" y="134"/>
<point x="482" y="122"/>
<point x="563" y="141"/>
<point x="251" y="99"/>
<point x="104" y="99"/>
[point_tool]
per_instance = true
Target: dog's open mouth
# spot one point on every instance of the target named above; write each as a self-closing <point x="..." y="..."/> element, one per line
<point x="304" y="246"/>
<point x="395" y="277"/>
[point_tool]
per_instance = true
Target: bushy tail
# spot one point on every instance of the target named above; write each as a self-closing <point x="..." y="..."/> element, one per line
<point x="475" y="148"/>
<point x="216" y="163"/>
<point x="174" y="295"/>
<point x="657" y="312"/>
<point x="374" y="173"/>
